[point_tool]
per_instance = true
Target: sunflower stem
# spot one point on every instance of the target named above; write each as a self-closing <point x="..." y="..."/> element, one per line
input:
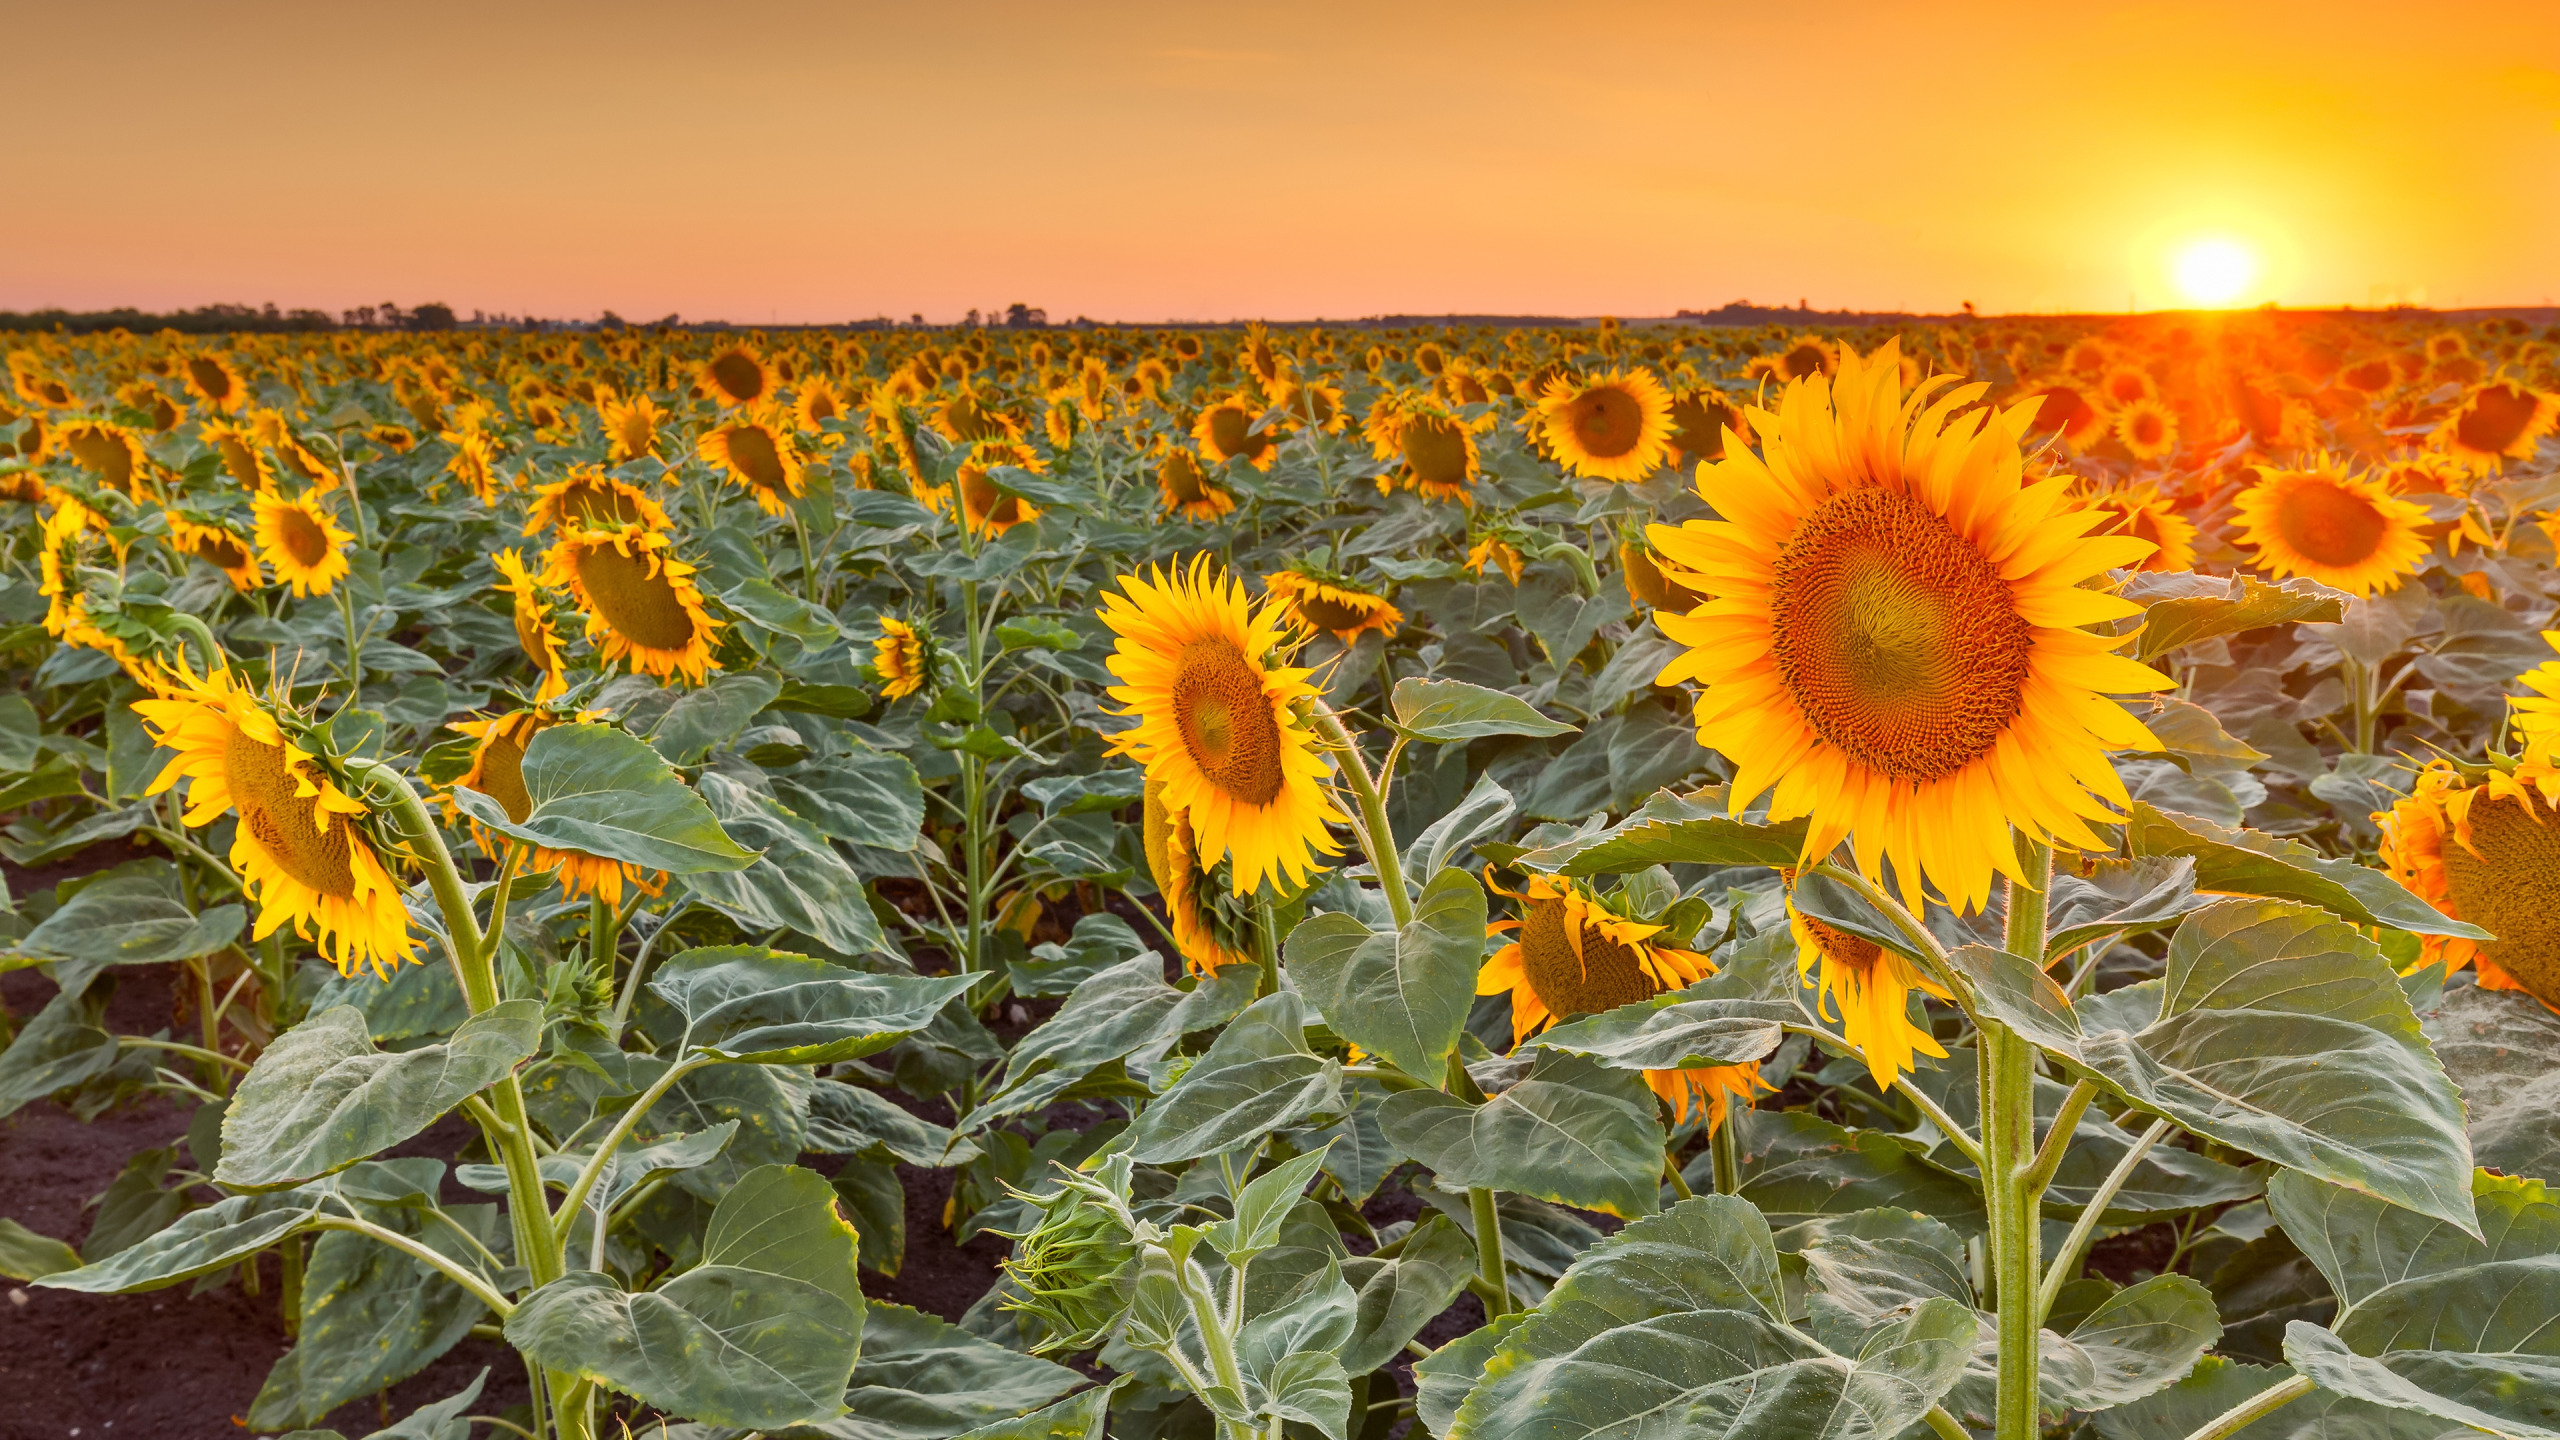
<point x="2007" y="1076"/>
<point x="1266" y="943"/>
<point x="1724" y="1143"/>
<point x="2066" y="1261"/>
<point x="1376" y="836"/>
<point x="355" y="650"/>
<point x="1495" y="1287"/>
<point x="2265" y="1402"/>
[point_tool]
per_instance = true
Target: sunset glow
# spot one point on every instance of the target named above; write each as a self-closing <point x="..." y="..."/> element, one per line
<point x="2215" y="271"/>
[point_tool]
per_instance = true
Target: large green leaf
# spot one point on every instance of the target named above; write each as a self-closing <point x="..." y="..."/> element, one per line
<point x="710" y="716"/>
<point x="1081" y="1416"/>
<point x="1109" y="1016"/>
<point x="1257" y="1077"/>
<point x="239" y="1226"/>
<point x="769" y="1007"/>
<point x="1403" y="995"/>
<point x="2510" y="1395"/>
<point x="1398" y="1297"/>
<point x="597" y="790"/>
<point x="798" y="883"/>
<point x="2248" y="862"/>
<point x="2363" y="1245"/>
<point x="2277" y="1030"/>
<point x="372" y="1315"/>
<point x="1702" y="1025"/>
<point x="26" y="1255"/>
<point x="2180" y="609"/>
<point x="322" y="1097"/>
<point x="1446" y="710"/>
<point x="2120" y="897"/>
<point x="2165" y="1183"/>
<point x="763" y="1333"/>
<point x="926" y="1379"/>
<point x="2142" y="1338"/>
<point x="2503" y="1049"/>
<point x="1800" y="1167"/>
<point x="133" y="915"/>
<point x="1572" y="1132"/>
<point x="847" y="1119"/>
<point x="2179" y="1410"/>
<point x="64" y="1045"/>
<point x="1673" y="829"/>
<point x="865" y="796"/>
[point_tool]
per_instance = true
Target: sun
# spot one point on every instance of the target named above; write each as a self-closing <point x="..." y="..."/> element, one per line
<point x="2214" y="271"/>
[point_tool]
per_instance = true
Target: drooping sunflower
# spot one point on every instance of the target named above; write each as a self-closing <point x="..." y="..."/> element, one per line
<point x="2146" y="429"/>
<point x="736" y="375"/>
<point x="474" y="462"/>
<point x="2144" y="513"/>
<point x="497" y="771"/>
<point x="1648" y="585"/>
<point x="760" y="455"/>
<point x="299" y="846"/>
<point x="589" y="499"/>
<point x="1323" y="601"/>
<point x="1616" y="426"/>
<point x="1436" y="448"/>
<point x="2485" y="848"/>
<point x="1869" y="988"/>
<point x="966" y="418"/>
<point x="1895" y="642"/>
<point x="1575" y="956"/>
<point x="630" y="426"/>
<point x="219" y="546"/>
<point x="536" y="631"/>
<point x="904" y="657"/>
<point x="301" y="541"/>
<point x="1187" y="489"/>
<point x="214" y="382"/>
<point x="2065" y="410"/>
<point x="1699" y="419"/>
<point x="112" y="453"/>
<point x="1207" y="927"/>
<point x="242" y="458"/>
<point x="2501" y="421"/>
<point x="2344" y="530"/>
<point x="1225" y="432"/>
<point x="1203" y="671"/>
<point x="984" y="508"/>
<point x="640" y="600"/>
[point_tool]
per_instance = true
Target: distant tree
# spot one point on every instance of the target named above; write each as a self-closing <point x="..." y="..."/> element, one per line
<point x="1018" y="316"/>
<point x="434" y="315"/>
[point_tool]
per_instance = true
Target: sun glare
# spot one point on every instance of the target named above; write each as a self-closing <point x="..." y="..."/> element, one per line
<point x="2215" y="271"/>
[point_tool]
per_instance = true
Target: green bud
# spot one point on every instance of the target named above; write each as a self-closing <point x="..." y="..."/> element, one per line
<point x="1073" y="1269"/>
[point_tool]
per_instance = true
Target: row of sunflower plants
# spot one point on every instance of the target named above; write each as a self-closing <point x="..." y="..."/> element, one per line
<point x="781" y="788"/>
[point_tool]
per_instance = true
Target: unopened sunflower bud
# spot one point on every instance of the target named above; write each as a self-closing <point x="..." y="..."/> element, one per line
<point x="1073" y="1269"/>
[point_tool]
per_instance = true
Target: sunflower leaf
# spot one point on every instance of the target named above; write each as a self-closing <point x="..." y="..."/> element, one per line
<point x="133" y="916"/>
<point x="2505" y="1394"/>
<point x="799" y="882"/>
<point x="1673" y="829"/>
<point x="1445" y="710"/>
<point x="2503" y="1049"/>
<point x="2181" y="609"/>
<point x="600" y="791"/>
<point x="768" y="1007"/>
<point x="2245" y="862"/>
<point x="1404" y="995"/>
<point x="1257" y="1077"/>
<point x="1572" y="1132"/>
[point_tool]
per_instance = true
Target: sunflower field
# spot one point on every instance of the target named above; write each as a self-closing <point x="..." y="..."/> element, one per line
<point x="1567" y="884"/>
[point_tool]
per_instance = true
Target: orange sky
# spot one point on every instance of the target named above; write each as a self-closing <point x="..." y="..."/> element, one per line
<point x="828" y="161"/>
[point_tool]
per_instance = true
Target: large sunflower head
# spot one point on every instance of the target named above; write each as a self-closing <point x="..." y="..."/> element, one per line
<point x="219" y="546"/>
<point x="536" y="632"/>
<point x="2498" y="422"/>
<point x="301" y="845"/>
<point x="1869" y="989"/>
<point x="2147" y="429"/>
<point x="2484" y="847"/>
<point x="984" y="507"/>
<point x="301" y="541"/>
<point x="589" y="499"/>
<point x="1210" y="929"/>
<point x="1436" y="448"/>
<point x="759" y="453"/>
<point x="1615" y="426"/>
<point x="640" y="600"/>
<point x="1225" y="432"/>
<point x="214" y="382"/>
<point x="2144" y="513"/>
<point x="497" y="771"/>
<point x="1324" y="601"/>
<point x="111" y="453"/>
<point x="1187" y="489"/>
<point x="2340" y="529"/>
<point x="904" y="657"/>
<point x="630" y="426"/>
<point x="1896" y="643"/>
<point x="736" y="375"/>
<point x="1202" y="670"/>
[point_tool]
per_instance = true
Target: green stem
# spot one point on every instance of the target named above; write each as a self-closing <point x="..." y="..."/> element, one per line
<point x="355" y="650"/>
<point x="808" y="566"/>
<point x="604" y="934"/>
<point x="1678" y="1182"/>
<point x="178" y="1047"/>
<point x="2066" y="1261"/>
<point x="1965" y="1144"/>
<point x="289" y="1294"/>
<point x="1214" y="1337"/>
<point x="567" y="1216"/>
<point x="1376" y="836"/>
<point x="1266" y="941"/>
<point x="1945" y="1424"/>
<point x="435" y="1259"/>
<point x="1725" y="1144"/>
<point x="1496" y="1287"/>
<point x="2006" y="1075"/>
<point x="2265" y="1402"/>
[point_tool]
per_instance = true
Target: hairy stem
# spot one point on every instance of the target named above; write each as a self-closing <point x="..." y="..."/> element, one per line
<point x="2006" y="1075"/>
<point x="2066" y="1261"/>
<point x="2265" y="1402"/>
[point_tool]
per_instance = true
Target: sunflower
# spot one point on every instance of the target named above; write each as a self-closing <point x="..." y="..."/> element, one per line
<point x="1309" y="403"/>
<point x="760" y="455"/>
<point x="1327" y="602"/>
<point x="630" y="426"/>
<point x="1498" y="553"/>
<point x="161" y="412"/>
<point x="37" y="388"/>
<point x="535" y="631"/>
<point x="1869" y="988"/>
<point x="301" y="542"/>
<point x="1061" y="420"/>
<point x="497" y="771"/>
<point x="299" y="847"/>
<point x="1187" y="489"/>
<point x="965" y="419"/>
<point x="2505" y="853"/>
<point x="1699" y="420"/>
<point x="35" y="438"/>
<point x="22" y="485"/>
<point x="736" y="376"/>
<point x="1804" y="357"/>
<point x="1257" y="354"/>
<point x="1615" y="427"/>
<point x="241" y="456"/>
<point x="589" y="499"/>
<point x="1438" y="449"/>
<point x="2065" y="410"/>
<point x="2146" y="429"/>
<point x="818" y="402"/>
<point x="1217" y="723"/>
<point x="2145" y="514"/>
<point x="639" y="599"/>
<point x="2125" y="384"/>
<point x="2344" y="530"/>
<point x="1206" y="928"/>
<point x="904" y="657"/>
<point x="474" y="462"/>
<point x="1647" y="585"/>
<point x="2447" y="345"/>
<point x="219" y="546"/>
<point x="214" y="382"/>
<point x="1576" y="956"/>
<point x="2369" y="378"/>
<point x="2498" y="422"/>
<point x="110" y="452"/>
<point x="1225" y="432"/>
<point x="985" y="508"/>
<point x="1895" y="642"/>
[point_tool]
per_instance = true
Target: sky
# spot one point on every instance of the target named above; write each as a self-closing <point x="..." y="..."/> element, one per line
<point x="760" y="162"/>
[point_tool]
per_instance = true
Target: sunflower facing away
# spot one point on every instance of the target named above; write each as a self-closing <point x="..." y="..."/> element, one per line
<point x="298" y="846"/>
<point x="640" y="600"/>
<point x="2487" y="853"/>
<point x="535" y="631"/>
<point x="2497" y="423"/>
<point x="2145" y="514"/>
<point x="301" y="542"/>
<point x="2344" y="530"/>
<point x="1869" y="988"/>
<point x="760" y="454"/>
<point x="1326" y="602"/>
<point x="1206" y="929"/>
<point x="1187" y="489"/>
<point x="1200" y="668"/>
<point x="497" y="771"/>
<point x="904" y="657"/>
<point x="1225" y="432"/>
<point x="219" y="546"/>
<point x="1576" y="956"/>
<point x="589" y="499"/>
<point x="1895" y="644"/>
<point x="1614" y="427"/>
